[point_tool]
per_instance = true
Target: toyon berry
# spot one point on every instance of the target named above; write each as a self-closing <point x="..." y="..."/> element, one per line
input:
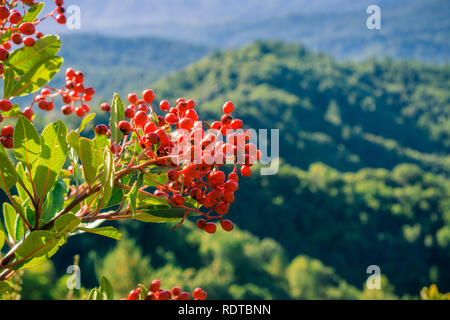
<point x="67" y="110"/>
<point x="15" y="17"/>
<point x="101" y="129"/>
<point x="29" y="42"/>
<point x="4" y="54"/>
<point x="27" y="28"/>
<point x="125" y="127"/>
<point x="177" y="200"/>
<point x="7" y="131"/>
<point x="5" y="105"/>
<point x="148" y="96"/>
<point x="61" y="19"/>
<point x="228" y="107"/>
<point x="155" y="285"/>
<point x="133" y="295"/>
<point x="227" y="225"/>
<point x="210" y="227"/>
<point x="246" y="171"/>
<point x="4" y="13"/>
<point x="105" y="107"/>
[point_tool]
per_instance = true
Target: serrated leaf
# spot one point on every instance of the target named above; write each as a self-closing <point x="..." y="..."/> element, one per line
<point x="54" y="150"/>
<point x="109" y="232"/>
<point x="26" y="58"/>
<point x="27" y="144"/>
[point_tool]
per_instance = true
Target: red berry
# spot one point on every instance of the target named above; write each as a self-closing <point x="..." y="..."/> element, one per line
<point x="246" y="171"/>
<point x="216" y="177"/>
<point x="184" y="296"/>
<point x="125" y="127"/>
<point x="101" y="129"/>
<point x="133" y="295"/>
<point x="231" y="186"/>
<point x="176" y="291"/>
<point x="15" y="17"/>
<point x="27" y="28"/>
<point x="140" y="118"/>
<point x="150" y="127"/>
<point x="105" y="107"/>
<point x="164" y="105"/>
<point x="29" y="42"/>
<point x="7" y="143"/>
<point x="155" y="285"/>
<point x="4" y="13"/>
<point x="236" y="124"/>
<point x="5" y="105"/>
<point x="226" y="225"/>
<point x="59" y="3"/>
<point x="66" y="110"/>
<point x="28" y="113"/>
<point x="4" y="54"/>
<point x="132" y="98"/>
<point x="7" y="131"/>
<point x="80" y="112"/>
<point x="171" y="118"/>
<point x="130" y="112"/>
<point x="16" y="38"/>
<point x="61" y="19"/>
<point x="177" y="200"/>
<point x="148" y="96"/>
<point x="186" y="124"/>
<point x="201" y="223"/>
<point x="228" y="107"/>
<point x="210" y="227"/>
<point x="173" y="175"/>
<point x="233" y="176"/>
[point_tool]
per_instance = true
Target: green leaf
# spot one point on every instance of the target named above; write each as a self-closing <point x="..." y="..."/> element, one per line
<point x="26" y="58"/>
<point x="85" y="122"/>
<point x="8" y="82"/>
<point x="161" y="214"/>
<point x="23" y="176"/>
<point x="54" y="201"/>
<point x="96" y="294"/>
<point x="8" y="175"/>
<point x="117" y="115"/>
<point x="109" y="232"/>
<point x="37" y="77"/>
<point x="2" y="235"/>
<point x="38" y="243"/>
<point x="20" y="228"/>
<point x="33" y="12"/>
<point x="66" y="223"/>
<point x="5" y="286"/>
<point x="89" y="159"/>
<point x="116" y="197"/>
<point x="9" y="216"/>
<point x="106" y="288"/>
<point x="53" y="156"/>
<point x="6" y="36"/>
<point x="87" y="153"/>
<point x="51" y="247"/>
<point x="108" y="178"/>
<point x="27" y="144"/>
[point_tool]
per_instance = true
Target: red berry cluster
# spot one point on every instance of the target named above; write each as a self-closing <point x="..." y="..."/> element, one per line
<point x="194" y="157"/>
<point x="23" y="32"/>
<point x="10" y="20"/>
<point x="155" y="292"/>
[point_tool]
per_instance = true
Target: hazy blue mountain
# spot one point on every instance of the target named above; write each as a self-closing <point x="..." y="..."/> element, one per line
<point x="413" y="29"/>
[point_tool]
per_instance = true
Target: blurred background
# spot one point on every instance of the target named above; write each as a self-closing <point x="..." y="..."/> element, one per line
<point x="364" y="119"/>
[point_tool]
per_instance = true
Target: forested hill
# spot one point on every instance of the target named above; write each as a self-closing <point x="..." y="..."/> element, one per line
<point x="377" y="113"/>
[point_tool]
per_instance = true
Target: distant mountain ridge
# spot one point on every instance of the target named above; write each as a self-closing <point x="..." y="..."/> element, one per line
<point x="418" y="29"/>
